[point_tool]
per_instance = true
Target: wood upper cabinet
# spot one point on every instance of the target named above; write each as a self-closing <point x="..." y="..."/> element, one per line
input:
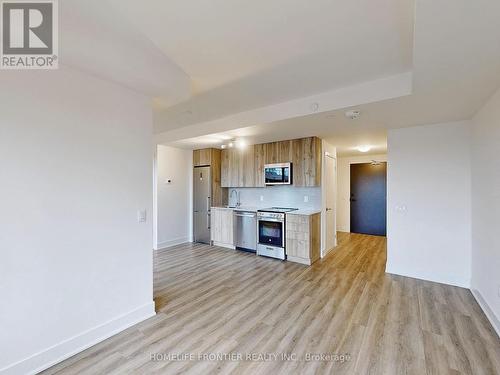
<point x="278" y="152"/>
<point x="238" y="167"/>
<point x="230" y="168"/>
<point x="202" y="157"/>
<point x="306" y="159"/>
<point x="245" y="167"/>
<point x="259" y="162"/>
<point x="246" y="175"/>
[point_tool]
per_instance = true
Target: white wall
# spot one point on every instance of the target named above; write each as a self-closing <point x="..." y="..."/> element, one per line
<point x="344" y="187"/>
<point x="76" y="166"/>
<point x="174" y="200"/>
<point x="486" y="208"/>
<point x="429" y="174"/>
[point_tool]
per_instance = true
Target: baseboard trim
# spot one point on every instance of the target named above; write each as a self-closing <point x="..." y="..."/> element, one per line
<point x="325" y="253"/>
<point x="170" y="243"/>
<point x="495" y="322"/>
<point x="227" y="246"/>
<point x="57" y="353"/>
<point x="306" y="262"/>
<point x="447" y="281"/>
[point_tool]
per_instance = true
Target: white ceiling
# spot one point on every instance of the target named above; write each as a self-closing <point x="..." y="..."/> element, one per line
<point x="257" y="68"/>
<point x="456" y="67"/>
<point x="348" y="134"/>
<point x="96" y="38"/>
<point x="326" y="43"/>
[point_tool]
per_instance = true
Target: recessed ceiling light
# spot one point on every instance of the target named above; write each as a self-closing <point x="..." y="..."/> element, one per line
<point x="222" y="146"/>
<point x="353" y="115"/>
<point x="241" y="143"/>
<point x="314" y="107"/>
<point x="364" y="148"/>
<point x="230" y="144"/>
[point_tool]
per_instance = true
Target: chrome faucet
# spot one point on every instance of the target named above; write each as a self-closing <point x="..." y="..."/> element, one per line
<point x="238" y="203"/>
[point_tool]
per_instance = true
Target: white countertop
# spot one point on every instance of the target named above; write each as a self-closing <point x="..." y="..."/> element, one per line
<point x="302" y="211"/>
<point x="241" y="208"/>
<point x="221" y="208"/>
<point x="305" y="211"/>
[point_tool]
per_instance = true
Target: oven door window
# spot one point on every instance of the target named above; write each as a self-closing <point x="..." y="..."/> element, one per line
<point x="271" y="233"/>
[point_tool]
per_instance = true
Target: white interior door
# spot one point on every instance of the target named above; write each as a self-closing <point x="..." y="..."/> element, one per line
<point x="330" y="215"/>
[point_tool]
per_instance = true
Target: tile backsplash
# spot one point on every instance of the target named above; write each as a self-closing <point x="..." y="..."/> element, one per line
<point x="280" y="196"/>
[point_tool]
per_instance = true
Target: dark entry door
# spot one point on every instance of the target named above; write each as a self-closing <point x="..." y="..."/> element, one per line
<point x="368" y="198"/>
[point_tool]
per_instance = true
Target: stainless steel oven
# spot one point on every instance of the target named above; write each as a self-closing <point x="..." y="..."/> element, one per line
<point x="271" y="229"/>
<point x="271" y="234"/>
<point x="278" y="174"/>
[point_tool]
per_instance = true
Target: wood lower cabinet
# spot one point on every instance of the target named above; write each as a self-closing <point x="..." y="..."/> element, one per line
<point x="245" y="167"/>
<point x="222" y="227"/>
<point x="303" y="238"/>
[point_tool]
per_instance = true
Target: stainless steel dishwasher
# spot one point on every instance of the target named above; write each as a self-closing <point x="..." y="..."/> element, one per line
<point x="246" y="230"/>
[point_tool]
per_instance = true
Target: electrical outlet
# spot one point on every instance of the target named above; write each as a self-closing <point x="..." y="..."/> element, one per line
<point x="306" y="199"/>
<point x="262" y="198"/>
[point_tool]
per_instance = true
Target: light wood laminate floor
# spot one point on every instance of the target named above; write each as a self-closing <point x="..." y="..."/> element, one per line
<point x="214" y="300"/>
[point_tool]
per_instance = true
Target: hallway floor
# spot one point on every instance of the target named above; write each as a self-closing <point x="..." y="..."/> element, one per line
<point x="342" y="315"/>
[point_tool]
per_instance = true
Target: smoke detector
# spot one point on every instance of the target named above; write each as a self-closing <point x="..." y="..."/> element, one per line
<point x="353" y="115"/>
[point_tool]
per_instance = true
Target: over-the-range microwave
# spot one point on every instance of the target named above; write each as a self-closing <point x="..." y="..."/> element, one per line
<point x="278" y="174"/>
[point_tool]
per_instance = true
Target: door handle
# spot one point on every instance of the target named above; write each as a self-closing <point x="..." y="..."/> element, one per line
<point x="329" y="209"/>
<point x="352" y="200"/>
<point x="208" y="221"/>
<point x="208" y="204"/>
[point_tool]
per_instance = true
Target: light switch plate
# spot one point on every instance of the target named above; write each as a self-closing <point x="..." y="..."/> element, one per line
<point x="141" y="216"/>
<point x="401" y="208"/>
<point x="262" y="198"/>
